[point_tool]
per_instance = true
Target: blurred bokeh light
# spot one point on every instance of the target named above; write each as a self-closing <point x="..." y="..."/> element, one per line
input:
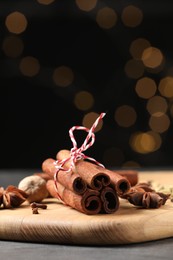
<point x="65" y="62"/>
<point x="16" y="22"/>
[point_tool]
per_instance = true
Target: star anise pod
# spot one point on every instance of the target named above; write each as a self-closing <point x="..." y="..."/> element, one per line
<point x="147" y="199"/>
<point x="146" y="186"/>
<point x="12" y="197"/>
<point x="138" y="188"/>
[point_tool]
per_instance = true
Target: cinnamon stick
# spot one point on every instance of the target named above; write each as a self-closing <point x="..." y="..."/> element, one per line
<point x="110" y="200"/>
<point x="95" y="176"/>
<point x="88" y="203"/>
<point x="70" y="180"/>
<point x="131" y="175"/>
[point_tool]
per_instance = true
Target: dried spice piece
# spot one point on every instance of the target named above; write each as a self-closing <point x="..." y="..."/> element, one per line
<point x="87" y="187"/>
<point x="12" y="197"/>
<point x="35" y="206"/>
<point x="135" y="198"/>
<point x="147" y="199"/>
<point x="146" y="186"/>
<point x="35" y="187"/>
<point x="96" y="176"/>
<point x="131" y="175"/>
<point x="35" y="211"/>
<point x="165" y="196"/>
<point x="70" y="180"/>
<point x="151" y="200"/>
<point x="165" y="189"/>
<point x="139" y="187"/>
<point x="38" y="205"/>
<point x="88" y="203"/>
<point x="91" y="173"/>
<point x="110" y="200"/>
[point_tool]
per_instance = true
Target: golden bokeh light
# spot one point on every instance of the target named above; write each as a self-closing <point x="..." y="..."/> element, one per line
<point x="29" y="66"/>
<point x="45" y="2"/>
<point x="106" y="18"/>
<point x="152" y="57"/>
<point x="146" y="87"/>
<point x="86" y="5"/>
<point x="90" y="118"/>
<point x="134" y="69"/>
<point x="83" y="100"/>
<point x="113" y="156"/>
<point x="16" y="22"/>
<point x="159" y="124"/>
<point x="145" y="142"/>
<point x="157" y="106"/>
<point x="12" y="46"/>
<point x="125" y="116"/>
<point x="137" y="47"/>
<point x="132" y="16"/>
<point x="63" y="76"/>
<point x="166" y="87"/>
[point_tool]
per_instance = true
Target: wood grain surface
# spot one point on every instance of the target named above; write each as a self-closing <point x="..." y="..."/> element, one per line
<point x="61" y="224"/>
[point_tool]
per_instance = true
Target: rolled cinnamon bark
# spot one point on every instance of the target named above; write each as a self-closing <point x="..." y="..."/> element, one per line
<point x="88" y="203"/>
<point x="71" y="181"/>
<point x="120" y="183"/>
<point x="97" y="177"/>
<point x="131" y="175"/>
<point x="110" y="200"/>
<point x="89" y="172"/>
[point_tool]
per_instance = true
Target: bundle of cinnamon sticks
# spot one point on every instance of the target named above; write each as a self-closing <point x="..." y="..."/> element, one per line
<point x="87" y="187"/>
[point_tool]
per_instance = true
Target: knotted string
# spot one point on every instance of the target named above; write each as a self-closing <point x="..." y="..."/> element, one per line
<point x="76" y="153"/>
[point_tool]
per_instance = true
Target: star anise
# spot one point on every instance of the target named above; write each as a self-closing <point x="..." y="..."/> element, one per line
<point x="11" y="197"/>
<point x="138" y="188"/>
<point x="146" y="186"/>
<point x="147" y="199"/>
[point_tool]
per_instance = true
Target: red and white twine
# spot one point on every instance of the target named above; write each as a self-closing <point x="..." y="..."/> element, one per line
<point x="77" y="153"/>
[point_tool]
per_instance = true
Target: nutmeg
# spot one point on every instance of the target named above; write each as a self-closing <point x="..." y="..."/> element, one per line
<point x="35" y="187"/>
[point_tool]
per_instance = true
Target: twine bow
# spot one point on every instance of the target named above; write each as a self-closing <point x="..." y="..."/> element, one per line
<point x="76" y="153"/>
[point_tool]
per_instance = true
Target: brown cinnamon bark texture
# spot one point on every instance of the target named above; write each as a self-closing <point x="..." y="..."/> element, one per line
<point x="88" y="203"/>
<point x="131" y="175"/>
<point x="96" y="176"/>
<point x="70" y="180"/>
<point x="110" y="200"/>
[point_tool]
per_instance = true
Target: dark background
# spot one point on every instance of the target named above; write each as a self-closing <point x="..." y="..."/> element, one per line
<point x="36" y="114"/>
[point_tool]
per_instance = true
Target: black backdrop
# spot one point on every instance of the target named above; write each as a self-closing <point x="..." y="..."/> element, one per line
<point x="36" y="113"/>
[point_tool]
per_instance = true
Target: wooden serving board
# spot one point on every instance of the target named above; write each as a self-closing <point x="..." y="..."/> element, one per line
<point x="63" y="225"/>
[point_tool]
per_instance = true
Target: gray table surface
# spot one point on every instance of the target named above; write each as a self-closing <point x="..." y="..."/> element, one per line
<point x="160" y="249"/>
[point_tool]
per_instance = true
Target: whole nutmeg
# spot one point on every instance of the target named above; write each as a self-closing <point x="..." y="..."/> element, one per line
<point x="35" y="187"/>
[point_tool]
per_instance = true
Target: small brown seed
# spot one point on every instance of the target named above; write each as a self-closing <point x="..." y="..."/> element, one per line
<point x="35" y="211"/>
